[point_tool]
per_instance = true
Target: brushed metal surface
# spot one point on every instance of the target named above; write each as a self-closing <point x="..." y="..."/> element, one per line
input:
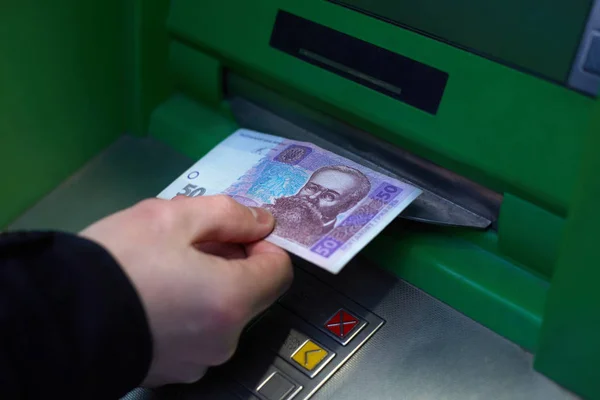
<point x="427" y="350"/>
<point x="277" y="386"/>
<point x="317" y="303"/>
<point x="285" y="340"/>
<point x="273" y="340"/>
<point x="580" y="78"/>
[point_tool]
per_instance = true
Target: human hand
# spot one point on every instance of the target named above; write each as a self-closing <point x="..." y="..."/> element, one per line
<point x="202" y="271"/>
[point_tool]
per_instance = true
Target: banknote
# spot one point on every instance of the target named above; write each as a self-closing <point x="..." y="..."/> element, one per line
<point x="326" y="207"/>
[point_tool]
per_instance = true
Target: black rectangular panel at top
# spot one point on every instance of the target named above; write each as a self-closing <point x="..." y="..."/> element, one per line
<point x="396" y="76"/>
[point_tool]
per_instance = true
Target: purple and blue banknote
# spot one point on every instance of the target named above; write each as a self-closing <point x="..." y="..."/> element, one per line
<point x="326" y="207"/>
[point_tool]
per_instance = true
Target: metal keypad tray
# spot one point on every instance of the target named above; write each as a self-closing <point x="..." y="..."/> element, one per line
<point x="291" y="350"/>
<point x="298" y="344"/>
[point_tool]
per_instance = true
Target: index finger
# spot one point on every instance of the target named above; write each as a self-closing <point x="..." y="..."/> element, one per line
<point x="265" y="275"/>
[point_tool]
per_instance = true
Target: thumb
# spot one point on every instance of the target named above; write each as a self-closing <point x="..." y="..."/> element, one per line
<point x="264" y="275"/>
<point x="222" y="219"/>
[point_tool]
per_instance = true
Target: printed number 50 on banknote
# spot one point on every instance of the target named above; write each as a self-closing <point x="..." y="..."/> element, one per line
<point x="327" y="208"/>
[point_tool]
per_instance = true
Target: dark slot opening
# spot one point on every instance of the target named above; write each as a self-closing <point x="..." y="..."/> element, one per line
<point x="391" y="74"/>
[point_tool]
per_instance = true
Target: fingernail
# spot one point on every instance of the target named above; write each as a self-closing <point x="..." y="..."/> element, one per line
<point x="262" y="216"/>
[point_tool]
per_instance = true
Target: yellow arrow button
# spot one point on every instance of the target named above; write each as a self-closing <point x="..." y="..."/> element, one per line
<point x="309" y="355"/>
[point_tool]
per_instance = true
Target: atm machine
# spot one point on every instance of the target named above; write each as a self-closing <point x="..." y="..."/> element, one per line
<point x="485" y="288"/>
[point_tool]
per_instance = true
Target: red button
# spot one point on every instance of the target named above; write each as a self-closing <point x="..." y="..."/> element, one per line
<point x="341" y="324"/>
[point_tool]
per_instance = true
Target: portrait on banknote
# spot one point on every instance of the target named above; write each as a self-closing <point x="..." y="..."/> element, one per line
<point x="311" y="193"/>
<point x="313" y="211"/>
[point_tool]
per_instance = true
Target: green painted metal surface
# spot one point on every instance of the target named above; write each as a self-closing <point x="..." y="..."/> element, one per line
<point x="189" y="127"/>
<point x="569" y="349"/>
<point x="480" y="283"/>
<point x="149" y="80"/>
<point x="529" y="234"/>
<point x="507" y="130"/>
<point x="538" y="36"/>
<point x="197" y="74"/>
<point x="62" y="93"/>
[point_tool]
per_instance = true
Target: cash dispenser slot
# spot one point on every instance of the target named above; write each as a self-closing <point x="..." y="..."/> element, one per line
<point x="448" y="199"/>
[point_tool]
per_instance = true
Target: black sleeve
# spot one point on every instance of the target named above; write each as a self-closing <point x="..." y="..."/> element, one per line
<point x="71" y="323"/>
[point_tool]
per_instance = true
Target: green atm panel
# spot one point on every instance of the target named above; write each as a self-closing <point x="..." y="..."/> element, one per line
<point x="526" y="34"/>
<point x="83" y="84"/>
